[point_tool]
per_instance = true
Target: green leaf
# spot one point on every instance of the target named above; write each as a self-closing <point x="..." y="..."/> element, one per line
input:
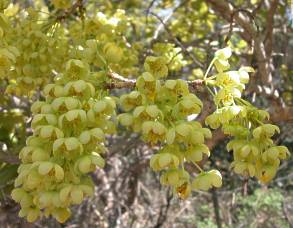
<point x="7" y="174"/>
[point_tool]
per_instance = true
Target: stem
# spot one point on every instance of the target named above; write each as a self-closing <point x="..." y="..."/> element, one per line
<point x="209" y="68"/>
<point x="212" y="77"/>
<point x="210" y="91"/>
<point x="246" y="103"/>
<point x="245" y="187"/>
<point x="259" y="122"/>
<point x="206" y="74"/>
<point x="182" y="165"/>
<point x="198" y="167"/>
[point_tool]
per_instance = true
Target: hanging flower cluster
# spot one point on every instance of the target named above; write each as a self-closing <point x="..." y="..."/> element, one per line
<point x="69" y="134"/>
<point x="159" y="112"/>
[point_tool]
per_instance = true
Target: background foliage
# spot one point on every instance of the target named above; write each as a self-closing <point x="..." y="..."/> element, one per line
<point x="187" y="32"/>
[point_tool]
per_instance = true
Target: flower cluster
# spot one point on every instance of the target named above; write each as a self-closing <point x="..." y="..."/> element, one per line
<point x="172" y="54"/>
<point x="36" y="46"/>
<point x="160" y="111"/>
<point x="8" y="53"/>
<point x="104" y="42"/>
<point x="255" y="153"/>
<point x="39" y="54"/>
<point x="69" y="133"/>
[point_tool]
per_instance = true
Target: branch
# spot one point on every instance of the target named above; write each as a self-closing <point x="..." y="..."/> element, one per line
<point x="120" y="82"/>
<point x="270" y="26"/>
<point x="226" y="9"/>
<point x="216" y="207"/>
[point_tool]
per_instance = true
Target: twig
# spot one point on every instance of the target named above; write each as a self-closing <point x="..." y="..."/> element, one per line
<point x="177" y="41"/>
<point x="78" y="5"/>
<point x="122" y="82"/>
<point x="245" y="187"/>
<point x="149" y="9"/>
<point x="250" y="15"/>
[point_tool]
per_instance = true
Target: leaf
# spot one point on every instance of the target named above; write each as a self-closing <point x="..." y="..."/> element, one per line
<point x="7" y="174"/>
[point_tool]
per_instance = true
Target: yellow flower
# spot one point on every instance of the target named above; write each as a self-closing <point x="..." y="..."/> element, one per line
<point x="195" y="152"/>
<point x="32" y="154"/>
<point x="213" y="121"/>
<point x="244" y="168"/>
<point x="265" y="131"/>
<point x="48" y="132"/>
<point x="64" y="104"/>
<point x="125" y="119"/>
<point x="19" y="195"/>
<point x="188" y="133"/>
<point x="48" y="199"/>
<point x="189" y="104"/>
<point x="163" y="160"/>
<point x="184" y="190"/>
<point x="221" y="61"/>
<point x="51" y="169"/>
<point x="157" y="66"/>
<point x="44" y="119"/>
<point x="95" y="135"/>
<point x="88" y="163"/>
<point x="61" y="214"/>
<point x="75" y="193"/>
<point x="144" y="113"/>
<point x="266" y="171"/>
<point x="113" y="53"/>
<point x="73" y="118"/>
<point x="174" y="177"/>
<point x="76" y="69"/>
<point x="227" y="95"/>
<point x="179" y="86"/>
<point x="80" y="89"/>
<point x="30" y="213"/>
<point x="207" y="180"/>
<point x="147" y="84"/>
<point x="69" y="147"/>
<point x="132" y="100"/>
<point x="153" y="132"/>
<point x="53" y="91"/>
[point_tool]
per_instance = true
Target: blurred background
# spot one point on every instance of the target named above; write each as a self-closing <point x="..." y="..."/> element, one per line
<point x="128" y="193"/>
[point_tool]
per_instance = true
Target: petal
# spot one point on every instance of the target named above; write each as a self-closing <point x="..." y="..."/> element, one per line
<point x="45" y="168"/>
<point x="59" y="173"/>
<point x="84" y="164"/>
<point x="76" y="195"/>
<point x="72" y="143"/>
<point x="170" y="136"/>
